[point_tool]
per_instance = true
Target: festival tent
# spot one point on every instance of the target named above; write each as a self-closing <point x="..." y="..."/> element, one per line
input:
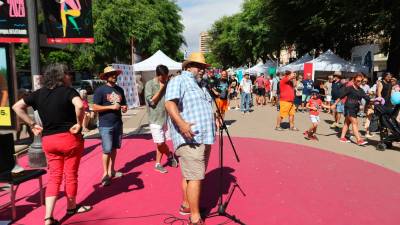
<point x="296" y="65"/>
<point x="261" y="68"/>
<point x="147" y="67"/>
<point x="328" y="61"/>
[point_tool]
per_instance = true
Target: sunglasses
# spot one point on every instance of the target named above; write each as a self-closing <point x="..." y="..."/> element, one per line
<point x="358" y="81"/>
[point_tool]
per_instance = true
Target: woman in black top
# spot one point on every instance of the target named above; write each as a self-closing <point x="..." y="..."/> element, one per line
<point x="60" y="109"/>
<point x="353" y="94"/>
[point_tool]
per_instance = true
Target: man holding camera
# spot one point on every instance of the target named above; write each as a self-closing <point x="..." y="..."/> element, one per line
<point x="109" y="101"/>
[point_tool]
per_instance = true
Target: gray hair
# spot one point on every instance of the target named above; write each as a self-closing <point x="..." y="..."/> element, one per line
<point x="54" y="75"/>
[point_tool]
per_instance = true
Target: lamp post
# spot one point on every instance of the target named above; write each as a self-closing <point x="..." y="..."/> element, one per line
<point x="35" y="151"/>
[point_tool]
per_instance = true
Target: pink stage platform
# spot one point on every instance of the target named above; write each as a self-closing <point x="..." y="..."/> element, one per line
<point x="285" y="184"/>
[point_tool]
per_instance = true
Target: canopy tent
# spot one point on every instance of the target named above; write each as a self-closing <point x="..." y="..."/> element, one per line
<point x="328" y="61"/>
<point x="261" y="68"/>
<point x="147" y="67"/>
<point x="296" y="65"/>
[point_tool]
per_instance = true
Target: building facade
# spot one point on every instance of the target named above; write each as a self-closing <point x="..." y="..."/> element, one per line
<point x="204" y="39"/>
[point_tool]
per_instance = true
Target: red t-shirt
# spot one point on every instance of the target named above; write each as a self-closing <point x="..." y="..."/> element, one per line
<point x="267" y="84"/>
<point x="260" y="82"/>
<point x="286" y="90"/>
<point x="317" y="103"/>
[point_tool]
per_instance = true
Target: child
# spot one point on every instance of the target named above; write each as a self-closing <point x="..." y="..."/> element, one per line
<point x="314" y="105"/>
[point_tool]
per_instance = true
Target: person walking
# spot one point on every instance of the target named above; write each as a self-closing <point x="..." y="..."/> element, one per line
<point x="109" y="101"/>
<point x="328" y="92"/>
<point x="222" y="90"/>
<point x="384" y="89"/>
<point x="233" y="92"/>
<point x="286" y="101"/>
<point x="260" y="91"/>
<point x="308" y="85"/>
<point x="154" y="95"/>
<point x="299" y="92"/>
<point x="335" y="92"/>
<point x="354" y="94"/>
<point x="60" y="109"/>
<point x="314" y="105"/>
<point x="192" y="127"/>
<point x="246" y="88"/>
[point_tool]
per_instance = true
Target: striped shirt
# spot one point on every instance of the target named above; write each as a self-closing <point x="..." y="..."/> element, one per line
<point x="195" y="106"/>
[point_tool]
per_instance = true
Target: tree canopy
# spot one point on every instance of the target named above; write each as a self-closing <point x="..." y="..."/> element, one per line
<point x="263" y="27"/>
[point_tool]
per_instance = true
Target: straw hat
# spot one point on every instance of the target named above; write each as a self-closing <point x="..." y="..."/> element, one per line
<point x="195" y="57"/>
<point x="108" y="71"/>
<point x="337" y="74"/>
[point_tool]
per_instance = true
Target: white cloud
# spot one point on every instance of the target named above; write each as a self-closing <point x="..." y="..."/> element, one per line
<point x="199" y="15"/>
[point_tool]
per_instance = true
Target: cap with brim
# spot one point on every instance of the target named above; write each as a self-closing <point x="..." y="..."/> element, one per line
<point x="109" y="71"/>
<point x="197" y="58"/>
<point x="316" y="91"/>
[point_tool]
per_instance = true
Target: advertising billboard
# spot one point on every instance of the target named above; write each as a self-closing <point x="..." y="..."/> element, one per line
<point x="13" y="22"/>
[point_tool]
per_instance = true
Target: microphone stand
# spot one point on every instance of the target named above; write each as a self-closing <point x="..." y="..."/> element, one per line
<point x="221" y="209"/>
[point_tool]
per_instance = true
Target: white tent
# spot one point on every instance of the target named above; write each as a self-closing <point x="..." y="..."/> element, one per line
<point x="147" y="67"/>
<point x="261" y="68"/>
<point x="328" y="61"/>
<point x="296" y="65"/>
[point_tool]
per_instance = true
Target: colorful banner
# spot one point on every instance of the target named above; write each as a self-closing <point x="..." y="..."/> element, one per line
<point x="68" y="21"/>
<point x="13" y="22"/>
<point x="308" y="71"/>
<point x="127" y="81"/>
<point x="5" y="90"/>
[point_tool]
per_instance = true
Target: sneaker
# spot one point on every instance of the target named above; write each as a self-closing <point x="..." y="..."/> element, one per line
<point x="369" y="135"/>
<point x="172" y="162"/>
<point x="334" y="125"/>
<point x="279" y="129"/>
<point x="314" y="138"/>
<point x="306" y="135"/>
<point x="184" y="210"/>
<point x="344" y="140"/>
<point x="160" y="168"/>
<point x="199" y="222"/>
<point x="362" y="142"/>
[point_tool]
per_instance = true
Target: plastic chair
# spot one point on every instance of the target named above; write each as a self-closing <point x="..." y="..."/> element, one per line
<point x="7" y="163"/>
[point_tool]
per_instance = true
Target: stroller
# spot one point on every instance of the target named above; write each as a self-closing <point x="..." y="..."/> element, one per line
<point x="388" y="127"/>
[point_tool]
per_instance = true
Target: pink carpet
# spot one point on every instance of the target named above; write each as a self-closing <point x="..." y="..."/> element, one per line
<point x="284" y="184"/>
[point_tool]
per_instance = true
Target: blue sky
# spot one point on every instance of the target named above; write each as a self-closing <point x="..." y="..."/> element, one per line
<point x="199" y="15"/>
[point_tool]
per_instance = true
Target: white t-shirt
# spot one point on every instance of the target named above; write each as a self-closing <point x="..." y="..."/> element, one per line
<point x="246" y="85"/>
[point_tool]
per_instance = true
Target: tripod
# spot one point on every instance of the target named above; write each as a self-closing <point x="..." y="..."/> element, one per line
<point x="221" y="208"/>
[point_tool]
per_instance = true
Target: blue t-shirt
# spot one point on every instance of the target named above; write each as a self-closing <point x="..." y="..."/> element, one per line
<point x="308" y="87"/>
<point x="106" y="95"/>
<point x="222" y="88"/>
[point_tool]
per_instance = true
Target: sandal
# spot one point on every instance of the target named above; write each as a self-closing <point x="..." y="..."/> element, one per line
<point x="52" y="221"/>
<point x="294" y="129"/>
<point x="116" y="174"/>
<point x="79" y="209"/>
<point x="105" y="181"/>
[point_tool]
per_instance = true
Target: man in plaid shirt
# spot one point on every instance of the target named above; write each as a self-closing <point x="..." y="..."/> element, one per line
<point x="192" y="128"/>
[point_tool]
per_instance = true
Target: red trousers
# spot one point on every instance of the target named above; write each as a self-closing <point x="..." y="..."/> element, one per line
<point x="63" y="152"/>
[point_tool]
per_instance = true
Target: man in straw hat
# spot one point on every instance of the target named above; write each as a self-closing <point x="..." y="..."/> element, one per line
<point x="109" y="101"/>
<point x="192" y="131"/>
<point x="335" y="92"/>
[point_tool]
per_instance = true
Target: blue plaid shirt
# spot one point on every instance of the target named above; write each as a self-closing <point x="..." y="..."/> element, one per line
<point x="195" y="106"/>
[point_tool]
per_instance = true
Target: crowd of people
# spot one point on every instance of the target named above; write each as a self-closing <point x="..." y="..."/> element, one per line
<point x="181" y="108"/>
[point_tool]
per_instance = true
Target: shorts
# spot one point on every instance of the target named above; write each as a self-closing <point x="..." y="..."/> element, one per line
<point x="351" y="111"/>
<point x="328" y="98"/>
<point x="314" y="119"/>
<point x="222" y="105"/>
<point x="159" y="133"/>
<point x="267" y="93"/>
<point x="305" y="98"/>
<point x="273" y="94"/>
<point x="286" y="109"/>
<point x="233" y="95"/>
<point x="260" y="91"/>
<point x="193" y="160"/>
<point x="111" y="137"/>
<point x="297" y="101"/>
<point x="340" y="107"/>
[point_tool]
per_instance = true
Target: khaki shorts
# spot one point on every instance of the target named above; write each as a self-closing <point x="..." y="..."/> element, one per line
<point x="286" y="109"/>
<point x="193" y="160"/>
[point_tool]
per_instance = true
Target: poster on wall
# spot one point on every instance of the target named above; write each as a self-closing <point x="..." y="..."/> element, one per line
<point x="68" y="21"/>
<point x="13" y="21"/>
<point x="5" y="90"/>
<point x="127" y="81"/>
